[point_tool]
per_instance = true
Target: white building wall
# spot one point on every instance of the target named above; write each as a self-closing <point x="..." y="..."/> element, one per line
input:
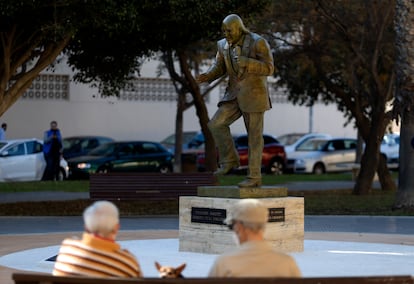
<point x="85" y="113"/>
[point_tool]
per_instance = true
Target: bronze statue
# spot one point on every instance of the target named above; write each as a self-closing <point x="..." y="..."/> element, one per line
<point x="246" y="59"/>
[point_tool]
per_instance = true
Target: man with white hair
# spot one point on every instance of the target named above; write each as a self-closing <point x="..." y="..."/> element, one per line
<point x="255" y="257"/>
<point x="97" y="254"/>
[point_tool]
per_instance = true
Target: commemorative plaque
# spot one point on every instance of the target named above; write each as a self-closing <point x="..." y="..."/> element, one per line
<point x="276" y="215"/>
<point x="208" y="215"/>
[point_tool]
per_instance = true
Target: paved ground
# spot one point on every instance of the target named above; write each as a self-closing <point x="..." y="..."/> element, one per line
<point x="322" y="224"/>
<point x="340" y="244"/>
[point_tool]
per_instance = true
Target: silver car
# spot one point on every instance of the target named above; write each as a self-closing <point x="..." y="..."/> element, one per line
<point x="293" y="140"/>
<point x="390" y="149"/>
<point x="320" y="156"/>
<point x="23" y="160"/>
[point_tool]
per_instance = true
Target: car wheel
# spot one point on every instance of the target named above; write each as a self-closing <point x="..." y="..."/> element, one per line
<point x="275" y="167"/>
<point x="165" y="169"/>
<point x="319" y="169"/>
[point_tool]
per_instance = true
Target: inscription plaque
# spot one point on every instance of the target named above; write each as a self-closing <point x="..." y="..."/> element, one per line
<point x="217" y="216"/>
<point x="208" y="215"/>
<point x="276" y="215"/>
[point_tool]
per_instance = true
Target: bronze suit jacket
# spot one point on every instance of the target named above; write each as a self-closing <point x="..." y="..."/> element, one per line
<point x="249" y="84"/>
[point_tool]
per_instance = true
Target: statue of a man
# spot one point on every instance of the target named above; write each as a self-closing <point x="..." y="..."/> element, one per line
<point x="246" y="59"/>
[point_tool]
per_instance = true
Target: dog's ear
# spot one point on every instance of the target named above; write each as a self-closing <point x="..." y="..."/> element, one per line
<point x="157" y="265"/>
<point x="180" y="268"/>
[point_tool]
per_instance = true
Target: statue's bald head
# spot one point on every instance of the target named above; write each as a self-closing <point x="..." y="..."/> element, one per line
<point x="234" y="19"/>
<point x="233" y="28"/>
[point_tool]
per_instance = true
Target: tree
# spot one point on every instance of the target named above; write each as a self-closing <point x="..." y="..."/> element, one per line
<point x="404" y="99"/>
<point x="32" y="36"/>
<point x="340" y="52"/>
<point x="106" y="40"/>
<point x="182" y="30"/>
<point x="33" y="33"/>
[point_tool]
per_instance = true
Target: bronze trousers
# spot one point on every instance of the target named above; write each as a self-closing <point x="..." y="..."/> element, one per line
<point x="219" y="125"/>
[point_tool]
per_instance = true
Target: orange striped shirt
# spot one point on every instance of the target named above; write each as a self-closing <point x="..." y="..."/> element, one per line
<point x="97" y="257"/>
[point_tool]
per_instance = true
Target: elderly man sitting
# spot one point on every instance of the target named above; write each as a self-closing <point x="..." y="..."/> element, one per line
<point x="97" y="254"/>
<point x="255" y="257"/>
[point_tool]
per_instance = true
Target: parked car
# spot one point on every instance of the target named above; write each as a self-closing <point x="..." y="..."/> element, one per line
<point x="323" y="155"/>
<point x="76" y="146"/>
<point x="390" y="148"/>
<point x="191" y="140"/>
<point x="23" y="160"/>
<point x="293" y="140"/>
<point x="273" y="157"/>
<point x="125" y="156"/>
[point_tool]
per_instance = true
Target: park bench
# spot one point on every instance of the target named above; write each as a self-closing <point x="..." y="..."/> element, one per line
<point x="149" y="186"/>
<point x="39" y="278"/>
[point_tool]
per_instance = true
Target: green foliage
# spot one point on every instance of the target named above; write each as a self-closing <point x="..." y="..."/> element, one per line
<point x="109" y="51"/>
<point x="336" y="51"/>
<point x="339" y="52"/>
<point x="109" y="38"/>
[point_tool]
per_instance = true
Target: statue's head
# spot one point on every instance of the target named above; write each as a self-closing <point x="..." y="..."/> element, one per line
<point x="233" y="28"/>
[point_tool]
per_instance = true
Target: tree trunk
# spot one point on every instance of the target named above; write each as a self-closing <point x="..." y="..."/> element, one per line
<point x="178" y="148"/>
<point x="201" y="110"/>
<point x="404" y="97"/>
<point x="370" y="157"/>
<point x="405" y="193"/>
<point x="366" y="174"/>
<point x="11" y="90"/>
<point x="203" y="118"/>
<point x="385" y="178"/>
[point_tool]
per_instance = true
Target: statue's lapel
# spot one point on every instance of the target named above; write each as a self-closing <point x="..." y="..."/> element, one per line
<point x="246" y="45"/>
<point x="228" y="59"/>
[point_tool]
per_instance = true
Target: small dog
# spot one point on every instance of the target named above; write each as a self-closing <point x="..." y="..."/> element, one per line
<point x="169" y="271"/>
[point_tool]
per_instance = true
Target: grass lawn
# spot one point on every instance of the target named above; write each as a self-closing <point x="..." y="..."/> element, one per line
<point x="326" y="202"/>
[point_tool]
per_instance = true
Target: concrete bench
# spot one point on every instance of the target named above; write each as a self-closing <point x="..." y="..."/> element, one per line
<point x="150" y="186"/>
<point x="38" y="278"/>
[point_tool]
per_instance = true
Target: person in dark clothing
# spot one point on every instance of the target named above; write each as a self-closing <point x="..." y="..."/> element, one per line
<point x="52" y="150"/>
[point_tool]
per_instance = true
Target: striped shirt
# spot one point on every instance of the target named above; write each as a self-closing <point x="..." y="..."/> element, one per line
<point x="94" y="256"/>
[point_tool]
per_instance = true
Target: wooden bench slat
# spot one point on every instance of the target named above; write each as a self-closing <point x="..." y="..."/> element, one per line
<point x="153" y="186"/>
<point x="38" y="278"/>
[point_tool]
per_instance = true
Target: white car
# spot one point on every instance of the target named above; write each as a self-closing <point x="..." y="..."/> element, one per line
<point x="390" y="148"/>
<point x="293" y="140"/>
<point x="23" y="160"/>
<point x="320" y="156"/>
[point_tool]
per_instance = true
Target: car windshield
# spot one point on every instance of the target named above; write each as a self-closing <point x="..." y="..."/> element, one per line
<point x="312" y="145"/>
<point x="289" y="139"/>
<point x="187" y="138"/>
<point x="71" y="144"/>
<point x="103" y="150"/>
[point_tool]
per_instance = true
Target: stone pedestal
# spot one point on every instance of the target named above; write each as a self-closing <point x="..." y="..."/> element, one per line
<point x="200" y="222"/>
